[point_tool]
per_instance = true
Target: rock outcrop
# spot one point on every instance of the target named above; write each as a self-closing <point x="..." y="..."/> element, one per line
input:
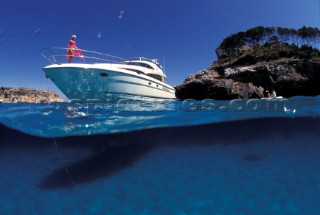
<point x="260" y="60"/>
<point x="8" y="95"/>
<point x="287" y="76"/>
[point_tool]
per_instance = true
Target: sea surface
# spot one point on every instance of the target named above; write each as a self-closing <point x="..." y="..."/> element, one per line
<point x="161" y="157"/>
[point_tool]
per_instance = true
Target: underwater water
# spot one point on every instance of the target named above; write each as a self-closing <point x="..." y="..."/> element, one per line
<point x="169" y="157"/>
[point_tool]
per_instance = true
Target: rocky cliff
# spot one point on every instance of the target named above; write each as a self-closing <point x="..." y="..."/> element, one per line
<point x="254" y="63"/>
<point x="8" y="95"/>
<point x="287" y="76"/>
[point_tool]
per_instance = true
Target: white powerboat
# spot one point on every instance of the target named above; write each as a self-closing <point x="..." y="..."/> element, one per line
<point x="114" y="78"/>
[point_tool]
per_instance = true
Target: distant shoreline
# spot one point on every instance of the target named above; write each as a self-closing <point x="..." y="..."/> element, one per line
<point x="21" y="94"/>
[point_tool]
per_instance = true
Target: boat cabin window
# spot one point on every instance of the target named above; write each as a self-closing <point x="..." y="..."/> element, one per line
<point x="139" y="64"/>
<point x="158" y="77"/>
<point x="134" y="70"/>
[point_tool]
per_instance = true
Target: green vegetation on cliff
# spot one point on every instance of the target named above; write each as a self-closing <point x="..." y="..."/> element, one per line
<point x="269" y="43"/>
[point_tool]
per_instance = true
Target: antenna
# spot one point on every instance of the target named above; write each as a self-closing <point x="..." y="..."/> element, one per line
<point x="164" y="63"/>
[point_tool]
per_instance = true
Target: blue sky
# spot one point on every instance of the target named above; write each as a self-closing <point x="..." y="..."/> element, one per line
<point x="184" y="33"/>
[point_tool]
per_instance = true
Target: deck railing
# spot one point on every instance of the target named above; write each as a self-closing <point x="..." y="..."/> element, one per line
<point x="57" y="55"/>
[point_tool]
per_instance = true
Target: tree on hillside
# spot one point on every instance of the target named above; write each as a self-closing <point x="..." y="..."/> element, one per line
<point x="254" y="36"/>
<point x="284" y="34"/>
<point x="269" y="33"/>
<point x="303" y="34"/>
<point x="232" y="42"/>
<point x="308" y="36"/>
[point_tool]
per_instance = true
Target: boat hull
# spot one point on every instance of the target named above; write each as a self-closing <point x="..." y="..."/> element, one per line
<point x="103" y="82"/>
